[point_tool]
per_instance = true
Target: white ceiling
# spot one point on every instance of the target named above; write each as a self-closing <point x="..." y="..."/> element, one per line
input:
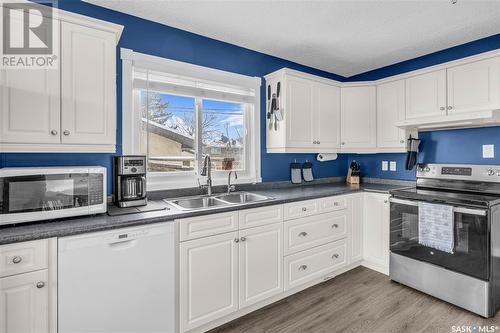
<point x="342" y="37"/>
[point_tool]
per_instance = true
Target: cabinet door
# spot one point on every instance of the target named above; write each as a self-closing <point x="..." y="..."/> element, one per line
<point x="208" y="279"/>
<point x="30" y="110"/>
<point x="359" y="122"/>
<point x="376" y="231"/>
<point x="327" y="116"/>
<point x="355" y="207"/>
<point x="24" y="306"/>
<point x="261" y="263"/>
<point x="299" y="113"/>
<point x="88" y="85"/>
<point x="426" y="95"/>
<point x="390" y="109"/>
<point x="474" y="87"/>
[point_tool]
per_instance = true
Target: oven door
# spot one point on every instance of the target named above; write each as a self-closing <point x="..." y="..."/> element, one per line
<point x="471" y="249"/>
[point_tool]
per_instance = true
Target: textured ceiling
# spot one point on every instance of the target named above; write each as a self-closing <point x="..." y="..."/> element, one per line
<point x="341" y="37"/>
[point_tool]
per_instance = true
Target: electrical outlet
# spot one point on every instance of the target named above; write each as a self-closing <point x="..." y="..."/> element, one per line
<point x="392" y="166"/>
<point x="385" y="165"/>
<point x="488" y="151"/>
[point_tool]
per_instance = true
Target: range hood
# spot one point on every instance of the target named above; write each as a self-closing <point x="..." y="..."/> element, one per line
<point x="459" y="120"/>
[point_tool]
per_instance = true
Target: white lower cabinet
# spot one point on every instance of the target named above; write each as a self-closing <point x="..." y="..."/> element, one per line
<point x="261" y="263"/>
<point x="355" y="238"/>
<point x="208" y="279"/>
<point x="306" y="266"/>
<point x="24" y="303"/>
<point x="28" y="287"/>
<point x="376" y="231"/>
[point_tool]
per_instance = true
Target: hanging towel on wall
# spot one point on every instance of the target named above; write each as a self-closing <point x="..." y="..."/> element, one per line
<point x="435" y="226"/>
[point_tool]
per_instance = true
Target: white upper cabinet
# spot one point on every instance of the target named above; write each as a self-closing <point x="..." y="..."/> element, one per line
<point x="24" y="91"/>
<point x="299" y="111"/>
<point x="474" y="86"/>
<point x="426" y="95"/>
<point x="88" y="85"/>
<point x="390" y="110"/>
<point x="359" y="119"/>
<point x="327" y="116"/>
<point x="71" y="108"/>
<point x="311" y="112"/>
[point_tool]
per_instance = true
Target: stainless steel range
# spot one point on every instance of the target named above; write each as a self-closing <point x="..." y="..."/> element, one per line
<point x="457" y="261"/>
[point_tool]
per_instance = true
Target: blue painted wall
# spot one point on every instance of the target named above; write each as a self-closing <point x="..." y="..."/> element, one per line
<point x="160" y="40"/>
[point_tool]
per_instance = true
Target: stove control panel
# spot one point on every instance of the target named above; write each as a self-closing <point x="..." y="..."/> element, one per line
<point x="473" y="172"/>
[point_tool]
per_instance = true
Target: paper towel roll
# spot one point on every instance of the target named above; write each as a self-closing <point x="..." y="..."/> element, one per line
<point x="326" y="157"/>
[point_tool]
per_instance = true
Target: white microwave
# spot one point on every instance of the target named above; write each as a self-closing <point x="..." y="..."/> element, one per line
<point x="34" y="194"/>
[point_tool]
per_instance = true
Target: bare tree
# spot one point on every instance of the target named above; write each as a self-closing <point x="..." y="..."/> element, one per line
<point x="187" y="125"/>
<point x="153" y="105"/>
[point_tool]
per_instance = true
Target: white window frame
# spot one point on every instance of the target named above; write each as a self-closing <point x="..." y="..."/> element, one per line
<point x="132" y="119"/>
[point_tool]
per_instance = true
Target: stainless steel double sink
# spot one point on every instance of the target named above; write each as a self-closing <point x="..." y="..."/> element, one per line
<point x="216" y="201"/>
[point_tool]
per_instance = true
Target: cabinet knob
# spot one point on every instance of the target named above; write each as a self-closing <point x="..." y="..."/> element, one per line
<point x="303" y="234"/>
<point x="302" y="267"/>
<point x="314" y="142"/>
<point x="335" y="256"/>
<point x="385" y="201"/>
<point x="17" y="259"/>
<point x="66" y="132"/>
<point x="342" y="143"/>
<point x="450" y="107"/>
<point x="40" y="284"/>
<point x="236" y="240"/>
<point x="243" y="239"/>
<point x="402" y="141"/>
<point x="335" y="203"/>
<point x="304" y="209"/>
<point x="335" y="225"/>
<point x="318" y="142"/>
<point x="53" y="132"/>
<point x="442" y="108"/>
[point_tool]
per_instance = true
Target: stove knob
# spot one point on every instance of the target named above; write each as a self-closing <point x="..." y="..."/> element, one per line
<point x="490" y="172"/>
<point x="427" y="169"/>
<point x="498" y="172"/>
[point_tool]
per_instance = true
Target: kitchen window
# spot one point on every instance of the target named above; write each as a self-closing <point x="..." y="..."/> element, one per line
<point x="177" y="113"/>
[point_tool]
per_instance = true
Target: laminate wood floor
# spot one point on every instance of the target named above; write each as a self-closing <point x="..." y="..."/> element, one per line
<point x="360" y="300"/>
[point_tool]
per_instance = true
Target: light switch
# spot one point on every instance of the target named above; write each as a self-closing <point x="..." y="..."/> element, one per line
<point x="385" y="165"/>
<point x="488" y="151"/>
<point x="393" y="166"/>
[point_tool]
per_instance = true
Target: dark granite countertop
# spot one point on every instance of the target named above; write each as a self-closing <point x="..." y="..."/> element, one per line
<point x="78" y="225"/>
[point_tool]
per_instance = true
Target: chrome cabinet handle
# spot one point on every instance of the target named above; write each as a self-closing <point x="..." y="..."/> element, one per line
<point x="442" y="108"/>
<point x="335" y="225"/>
<point x="236" y="240"/>
<point x="243" y="239"/>
<point x="40" y="284"/>
<point x="302" y="267"/>
<point x="53" y="132"/>
<point x="66" y="132"/>
<point x="303" y="234"/>
<point x="335" y="256"/>
<point x="17" y="259"/>
<point x="304" y="209"/>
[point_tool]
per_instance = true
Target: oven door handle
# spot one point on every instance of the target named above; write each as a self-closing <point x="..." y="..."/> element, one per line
<point x="462" y="210"/>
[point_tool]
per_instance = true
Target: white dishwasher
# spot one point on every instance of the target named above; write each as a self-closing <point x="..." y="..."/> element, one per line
<point x="121" y="280"/>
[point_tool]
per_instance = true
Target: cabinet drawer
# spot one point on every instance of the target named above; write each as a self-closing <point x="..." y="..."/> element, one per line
<point x="201" y="226"/>
<point x="307" y="232"/>
<point x="308" y="265"/>
<point x="296" y="210"/>
<point x="260" y="216"/>
<point x="23" y="257"/>
<point x="331" y="204"/>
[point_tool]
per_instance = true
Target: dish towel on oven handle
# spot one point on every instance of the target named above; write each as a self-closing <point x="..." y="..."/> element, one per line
<point x="435" y="226"/>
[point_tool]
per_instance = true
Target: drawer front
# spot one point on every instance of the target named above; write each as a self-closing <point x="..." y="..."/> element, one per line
<point x="260" y="216"/>
<point x="201" y="226"/>
<point x="308" y="265"/>
<point x="300" y="209"/>
<point x="23" y="257"/>
<point x="304" y="233"/>
<point x="332" y="204"/>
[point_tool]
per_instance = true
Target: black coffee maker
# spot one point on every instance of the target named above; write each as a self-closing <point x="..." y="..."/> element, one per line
<point x="130" y="181"/>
